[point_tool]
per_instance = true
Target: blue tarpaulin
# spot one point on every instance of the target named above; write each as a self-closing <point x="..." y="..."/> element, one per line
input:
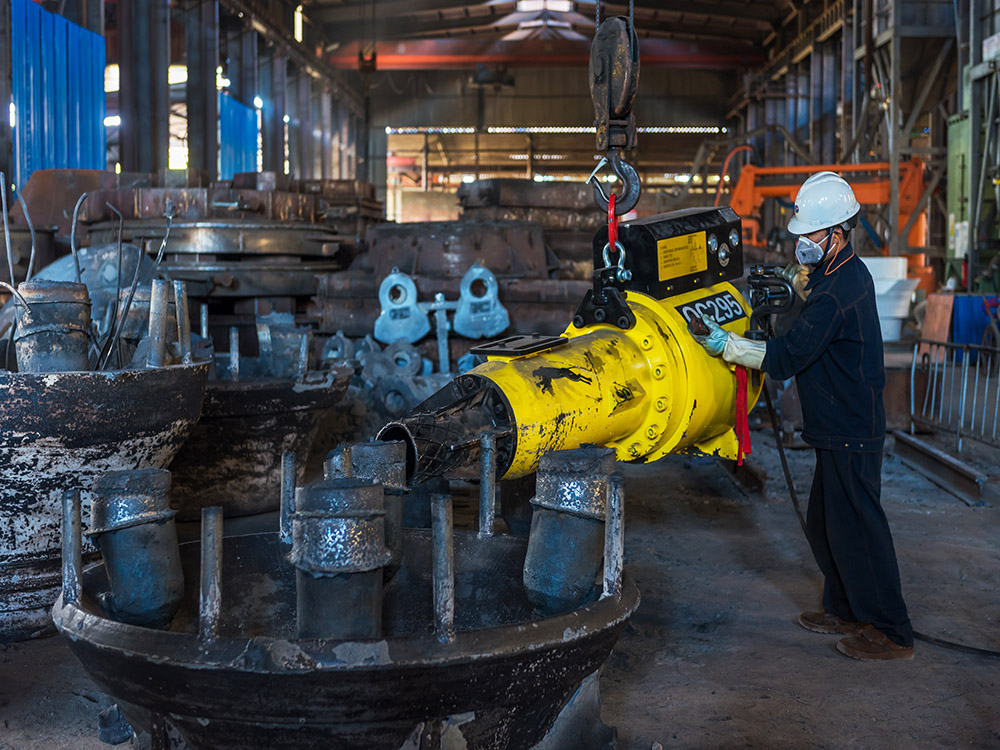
<point x="58" y="82"/>
<point x="237" y="137"/>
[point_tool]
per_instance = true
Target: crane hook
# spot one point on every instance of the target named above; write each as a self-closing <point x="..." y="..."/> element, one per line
<point x="631" y="185"/>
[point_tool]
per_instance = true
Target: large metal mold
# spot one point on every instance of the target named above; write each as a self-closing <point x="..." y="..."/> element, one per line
<point x="233" y="457"/>
<point x="565" y="211"/>
<point x="61" y="431"/>
<point x="501" y="679"/>
<point x="437" y="256"/>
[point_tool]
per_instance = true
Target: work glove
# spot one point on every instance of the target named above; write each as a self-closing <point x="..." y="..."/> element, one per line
<point x="797" y="276"/>
<point x="734" y="349"/>
<point x="715" y="340"/>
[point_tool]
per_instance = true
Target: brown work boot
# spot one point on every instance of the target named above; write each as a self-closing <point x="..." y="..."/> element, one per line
<point x="822" y="622"/>
<point x="870" y="644"/>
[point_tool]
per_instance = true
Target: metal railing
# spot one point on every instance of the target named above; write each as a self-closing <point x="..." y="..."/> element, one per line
<point x="960" y="386"/>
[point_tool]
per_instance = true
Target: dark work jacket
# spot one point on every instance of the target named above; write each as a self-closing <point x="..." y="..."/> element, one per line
<point x="834" y="350"/>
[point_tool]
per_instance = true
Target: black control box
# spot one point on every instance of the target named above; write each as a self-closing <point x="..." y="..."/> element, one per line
<point x="676" y="252"/>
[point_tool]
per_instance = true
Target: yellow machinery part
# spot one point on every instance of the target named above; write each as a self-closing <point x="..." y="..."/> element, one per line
<point x="646" y="392"/>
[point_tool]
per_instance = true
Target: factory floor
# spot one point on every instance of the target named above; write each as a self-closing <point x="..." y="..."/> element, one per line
<point x="713" y="657"/>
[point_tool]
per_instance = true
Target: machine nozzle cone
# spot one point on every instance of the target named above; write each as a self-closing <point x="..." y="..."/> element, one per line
<point x="442" y="435"/>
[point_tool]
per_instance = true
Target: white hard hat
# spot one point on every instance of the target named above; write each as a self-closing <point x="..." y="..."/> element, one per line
<point x="825" y="200"/>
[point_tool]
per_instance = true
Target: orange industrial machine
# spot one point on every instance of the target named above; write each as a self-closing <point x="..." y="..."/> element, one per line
<point x="870" y="182"/>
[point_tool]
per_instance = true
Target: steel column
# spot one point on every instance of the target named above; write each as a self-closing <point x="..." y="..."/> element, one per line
<point x="337" y="144"/>
<point x="144" y="95"/>
<point x="978" y="97"/>
<point x="326" y="134"/>
<point x="273" y="81"/>
<point x="241" y="51"/>
<point x="305" y="136"/>
<point x="86" y="13"/>
<point x="829" y="71"/>
<point x="424" y="163"/>
<point x="201" y="30"/>
<point x="351" y="141"/>
<point x="377" y="170"/>
<point x="896" y="240"/>
<point x="6" y="92"/>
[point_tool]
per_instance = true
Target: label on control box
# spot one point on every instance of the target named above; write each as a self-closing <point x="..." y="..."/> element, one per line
<point x="681" y="256"/>
<point x="723" y="307"/>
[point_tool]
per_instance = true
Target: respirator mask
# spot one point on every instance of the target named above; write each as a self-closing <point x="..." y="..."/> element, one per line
<point x="809" y="253"/>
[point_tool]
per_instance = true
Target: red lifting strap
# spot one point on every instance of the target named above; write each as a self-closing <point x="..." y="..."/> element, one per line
<point x="612" y="224"/>
<point x="742" y="418"/>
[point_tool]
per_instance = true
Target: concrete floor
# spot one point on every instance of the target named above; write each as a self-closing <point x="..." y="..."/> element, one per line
<point x="712" y="658"/>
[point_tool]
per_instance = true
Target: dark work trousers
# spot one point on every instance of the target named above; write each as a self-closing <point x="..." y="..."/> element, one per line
<point x="850" y="538"/>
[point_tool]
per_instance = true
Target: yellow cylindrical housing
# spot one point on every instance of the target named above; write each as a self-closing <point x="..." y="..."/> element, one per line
<point x="647" y="391"/>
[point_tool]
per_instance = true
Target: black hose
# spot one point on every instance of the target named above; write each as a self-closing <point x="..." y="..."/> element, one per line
<point x="939" y="642"/>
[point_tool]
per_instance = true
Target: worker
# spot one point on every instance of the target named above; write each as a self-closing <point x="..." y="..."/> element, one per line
<point x="834" y="350"/>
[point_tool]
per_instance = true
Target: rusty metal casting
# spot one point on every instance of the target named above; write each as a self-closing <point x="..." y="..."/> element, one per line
<point x="132" y="523"/>
<point x="53" y="327"/>
<point x="257" y="235"/>
<point x="568" y="532"/>
<point x="383" y="463"/>
<point x="339" y="551"/>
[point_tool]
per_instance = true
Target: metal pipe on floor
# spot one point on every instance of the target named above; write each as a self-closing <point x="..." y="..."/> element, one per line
<point x="442" y="536"/>
<point x="210" y="589"/>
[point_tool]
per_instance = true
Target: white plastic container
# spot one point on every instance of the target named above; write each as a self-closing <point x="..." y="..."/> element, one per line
<point x="893" y="294"/>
